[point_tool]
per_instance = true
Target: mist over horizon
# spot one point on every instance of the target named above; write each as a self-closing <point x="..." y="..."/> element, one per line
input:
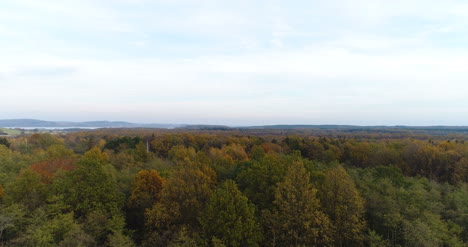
<point x="28" y="122"/>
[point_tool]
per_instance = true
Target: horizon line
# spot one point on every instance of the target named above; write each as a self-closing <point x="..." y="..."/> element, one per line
<point x="230" y="125"/>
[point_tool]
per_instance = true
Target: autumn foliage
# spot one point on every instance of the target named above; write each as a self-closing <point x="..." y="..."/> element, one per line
<point x="150" y="187"/>
<point x="146" y="189"/>
<point x="47" y="169"/>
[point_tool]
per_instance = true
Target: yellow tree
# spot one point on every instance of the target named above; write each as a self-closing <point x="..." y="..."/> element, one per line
<point x="146" y="189"/>
<point x="145" y="193"/>
<point x="182" y="200"/>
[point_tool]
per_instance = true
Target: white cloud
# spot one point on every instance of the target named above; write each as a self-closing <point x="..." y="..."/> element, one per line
<point x="249" y="62"/>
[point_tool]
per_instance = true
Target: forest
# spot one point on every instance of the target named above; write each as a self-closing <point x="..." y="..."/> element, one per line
<point x="150" y="187"/>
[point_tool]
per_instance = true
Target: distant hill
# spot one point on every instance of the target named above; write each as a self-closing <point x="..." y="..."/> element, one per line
<point x="206" y="127"/>
<point x="359" y="127"/>
<point x="28" y="123"/>
<point x="374" y="129"/>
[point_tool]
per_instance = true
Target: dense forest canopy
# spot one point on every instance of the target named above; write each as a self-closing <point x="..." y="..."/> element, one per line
<point x="148" y="187"/>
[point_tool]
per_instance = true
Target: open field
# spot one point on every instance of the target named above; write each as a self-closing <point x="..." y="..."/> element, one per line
<point x="10" y="131"/>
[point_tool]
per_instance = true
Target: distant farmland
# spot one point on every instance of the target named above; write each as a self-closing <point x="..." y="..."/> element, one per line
<point x="10" y="131"/>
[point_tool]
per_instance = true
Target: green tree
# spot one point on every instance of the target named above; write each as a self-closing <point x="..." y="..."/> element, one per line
<point x="183" y="198"/>
<point x="27" y="189"/>
<point x="91" y="186"/>
<point x="56" y="231"/>
<point x="230" y="217"/>
<point x="297" y="219"/>
<point x="5" y="142"/>
<point x="141" y="153"/>
<point x="460" y="172"/>
<point x="258" y="179"/>
<point x="344" y="205"/>
<point x="11" y="163"/>
<point x="44" y="140"/>
<point x="120" y="240"/>
<point x="182" y="155"/>
<point x="183" y="239"/>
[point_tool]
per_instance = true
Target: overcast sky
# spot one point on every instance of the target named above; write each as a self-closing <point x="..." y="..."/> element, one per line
<point x="365" y="62"/>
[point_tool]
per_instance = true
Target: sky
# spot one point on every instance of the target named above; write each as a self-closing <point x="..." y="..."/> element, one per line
<point x="243" y="62"/>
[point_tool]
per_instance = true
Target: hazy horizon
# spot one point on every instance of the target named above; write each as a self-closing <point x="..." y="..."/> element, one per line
<point x="360" y="62"/>
<point x="229" y="125"/>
